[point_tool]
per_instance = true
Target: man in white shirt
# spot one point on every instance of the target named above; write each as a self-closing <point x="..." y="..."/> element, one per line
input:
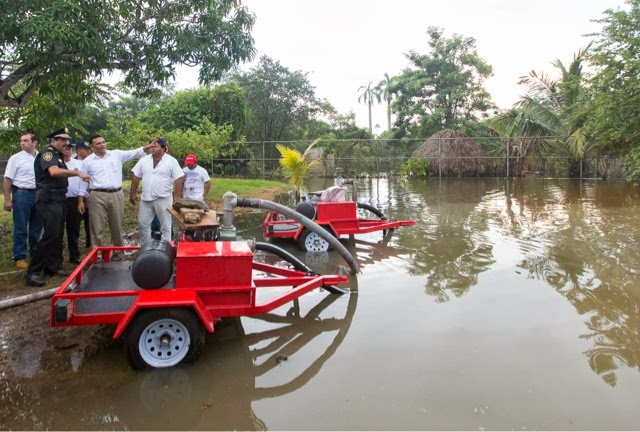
<point x="73" y="217"/>
<point x="162" y="181"/>
<point x="106" y="205"/>
<point x="196" y="180"/>
<point x="19" y="186"/>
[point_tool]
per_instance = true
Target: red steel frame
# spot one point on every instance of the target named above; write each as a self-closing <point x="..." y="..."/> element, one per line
<point x="340" y="217"/>
<point x="225" y="285"/>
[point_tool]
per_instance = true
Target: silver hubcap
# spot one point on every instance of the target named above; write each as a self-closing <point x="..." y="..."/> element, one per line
<point x="315" y="243"/>
<point x="164" y="343"/>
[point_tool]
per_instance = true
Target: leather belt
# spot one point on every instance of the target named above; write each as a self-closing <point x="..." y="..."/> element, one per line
<point x="107" y="190"/>
<point x="16" y="189"/>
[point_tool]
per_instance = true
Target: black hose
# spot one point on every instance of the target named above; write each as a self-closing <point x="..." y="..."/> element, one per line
<point x="373" y="210"/>
<point x="297" y="264"/>
<point x="305" y="221"/>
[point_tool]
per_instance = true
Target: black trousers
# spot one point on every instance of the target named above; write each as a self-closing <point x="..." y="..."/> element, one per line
<point x="73" y="228"/>
<point x="48" y="255"/>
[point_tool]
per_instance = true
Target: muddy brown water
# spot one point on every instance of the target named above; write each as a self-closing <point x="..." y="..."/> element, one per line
<point x="510" y="305"/>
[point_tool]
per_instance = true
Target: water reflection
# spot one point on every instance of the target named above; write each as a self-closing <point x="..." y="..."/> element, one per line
<point x="451" y="241"/>
<point x="237" y="366"/>
<point x="580" y="238"/>
<point x="586" y="236"/>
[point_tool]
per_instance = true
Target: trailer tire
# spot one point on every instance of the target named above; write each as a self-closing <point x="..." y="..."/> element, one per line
<point x="163" y="337"/>
<point x="312" y="242"/>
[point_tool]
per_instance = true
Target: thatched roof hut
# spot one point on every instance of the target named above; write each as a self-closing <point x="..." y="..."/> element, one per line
<point x="453" y="153"/>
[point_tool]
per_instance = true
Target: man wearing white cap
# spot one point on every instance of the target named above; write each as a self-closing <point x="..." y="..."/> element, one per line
<point x="196" y="180"/>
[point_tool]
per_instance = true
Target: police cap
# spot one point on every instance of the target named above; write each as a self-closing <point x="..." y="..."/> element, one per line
<point x="81" y="145"/>
<point x="60" y="133"/>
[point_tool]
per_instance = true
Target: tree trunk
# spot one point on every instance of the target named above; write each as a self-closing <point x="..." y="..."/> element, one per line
<point x="370" y="126"/>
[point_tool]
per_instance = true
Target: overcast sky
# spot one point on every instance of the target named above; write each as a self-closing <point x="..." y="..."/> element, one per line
<point x="345" y="44"/>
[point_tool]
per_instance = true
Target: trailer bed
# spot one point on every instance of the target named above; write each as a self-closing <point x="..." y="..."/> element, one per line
<point x="108" y="277"/>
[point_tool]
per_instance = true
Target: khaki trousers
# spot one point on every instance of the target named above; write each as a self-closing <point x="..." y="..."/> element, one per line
<point x="106" y="208"/>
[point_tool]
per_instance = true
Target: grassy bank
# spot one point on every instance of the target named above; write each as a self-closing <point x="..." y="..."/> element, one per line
<point x="265" y="189"/>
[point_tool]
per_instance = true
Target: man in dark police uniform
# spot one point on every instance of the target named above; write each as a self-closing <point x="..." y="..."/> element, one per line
<point x="51" y="187"/>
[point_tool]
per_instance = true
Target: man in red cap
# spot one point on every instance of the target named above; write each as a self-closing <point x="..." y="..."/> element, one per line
<point x="196" y="180"/>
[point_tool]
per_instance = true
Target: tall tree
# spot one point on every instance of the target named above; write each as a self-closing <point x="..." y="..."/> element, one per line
<point x="279" y="100"/>
<point x="551" y="112"/>
<point x="225" y="104"/>
<point x="443" y="89"/>
<point x="367" y="96"/>
<point x="383" y="93"/>
<point x="56" y="47"/>
<point x="614" y="112"/>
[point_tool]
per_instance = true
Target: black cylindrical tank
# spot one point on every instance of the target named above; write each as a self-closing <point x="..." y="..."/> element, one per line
<point x="153" y="265"/>
<point x="307" y="209"/>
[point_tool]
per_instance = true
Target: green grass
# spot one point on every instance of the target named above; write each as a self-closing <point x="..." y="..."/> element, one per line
<point x="265" y="189"/>
<point x="244" y="188"/>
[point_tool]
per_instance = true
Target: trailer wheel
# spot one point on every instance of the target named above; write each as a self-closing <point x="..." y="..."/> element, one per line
<point x="311" y="242"/>
<point x="160" y="338"/>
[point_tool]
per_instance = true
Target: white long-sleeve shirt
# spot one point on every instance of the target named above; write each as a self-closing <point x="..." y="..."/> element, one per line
<point x="76" y="185"/>
<point x="106" y="171"/>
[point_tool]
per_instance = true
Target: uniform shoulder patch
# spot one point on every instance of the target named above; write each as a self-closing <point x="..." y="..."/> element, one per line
<point x="47" y="156"/>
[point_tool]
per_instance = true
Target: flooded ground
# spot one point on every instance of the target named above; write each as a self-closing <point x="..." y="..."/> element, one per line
<point x="510" y="305"/>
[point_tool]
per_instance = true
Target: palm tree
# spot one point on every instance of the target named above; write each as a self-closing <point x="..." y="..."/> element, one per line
<point x="367" y="96"/>
<point x="383" y="92"/>
<point x="549" y="114"/>
<point x="296" y="166"/>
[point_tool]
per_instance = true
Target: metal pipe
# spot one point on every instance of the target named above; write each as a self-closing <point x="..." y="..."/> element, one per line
<point x="29" y="298"/>
<point x="228" y="200"/>
<point x="508" y="146"/>
<point x="305" y="221"/>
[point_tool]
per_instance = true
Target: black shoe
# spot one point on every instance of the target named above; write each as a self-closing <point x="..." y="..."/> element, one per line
<point x="58" y="272"/>
<point x="34" y="279"/>
<point x="75" y="260"/>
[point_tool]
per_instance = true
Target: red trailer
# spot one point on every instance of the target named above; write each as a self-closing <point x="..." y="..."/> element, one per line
<point x="337" y="217"/>
<point x="166" y="325"/>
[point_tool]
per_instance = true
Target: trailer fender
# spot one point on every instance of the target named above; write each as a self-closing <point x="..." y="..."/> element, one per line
<point x="300" y="229"/>
<point x="186" y="299"/>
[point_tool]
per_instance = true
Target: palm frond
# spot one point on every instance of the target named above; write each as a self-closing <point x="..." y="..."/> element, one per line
<point x="542" y="115"/>
<point x="305" y="155"/>
<point x="576" y="143"/>
<point x="541" y="87"/>
<point x="296" y="166"/>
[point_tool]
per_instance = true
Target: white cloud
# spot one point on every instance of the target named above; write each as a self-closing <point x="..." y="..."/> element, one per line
<point x="345" y="44"/>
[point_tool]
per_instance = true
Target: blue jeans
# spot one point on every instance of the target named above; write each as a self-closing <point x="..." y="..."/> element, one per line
<point x="155" y="224"/>
<point x="26" y="223"/>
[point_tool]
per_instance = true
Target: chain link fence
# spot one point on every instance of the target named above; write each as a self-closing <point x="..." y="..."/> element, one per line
<point x="472" y="157"/>
<point x="499" y="157"/>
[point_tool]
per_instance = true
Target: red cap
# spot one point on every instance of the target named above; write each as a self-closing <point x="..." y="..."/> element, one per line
<point x="190" y="159"/>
